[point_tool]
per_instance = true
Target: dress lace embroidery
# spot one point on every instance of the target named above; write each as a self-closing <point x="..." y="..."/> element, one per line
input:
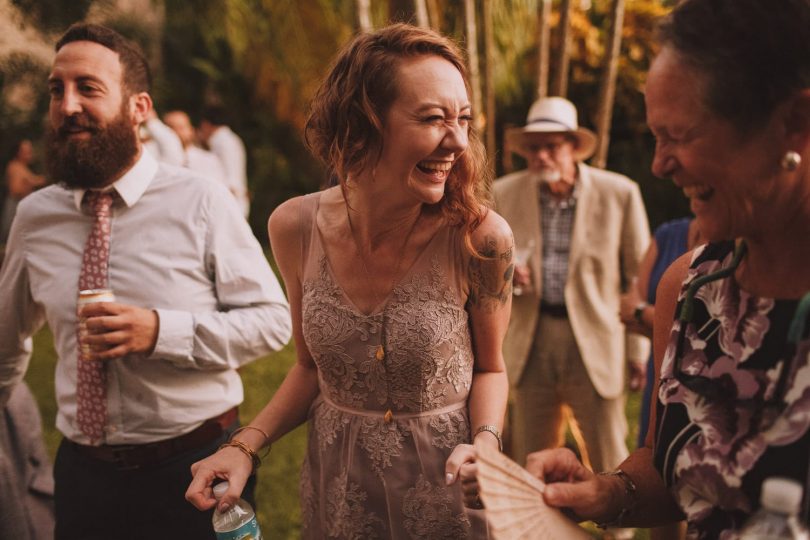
<point x="428" y="346"/>
<point x="429" y="514"/>
<point x="345" y="511"/>
<point x="329" y="423"/>
<point x="382" y="441"/>
<point x="450" y="429"/>
<point x="307" y="497"/>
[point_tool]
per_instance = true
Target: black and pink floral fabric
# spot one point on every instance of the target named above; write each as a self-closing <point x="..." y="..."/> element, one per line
<point x="714" y="452"/>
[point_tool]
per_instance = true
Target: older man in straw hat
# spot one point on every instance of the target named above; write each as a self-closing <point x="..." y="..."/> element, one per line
<point x="579" y="235"/>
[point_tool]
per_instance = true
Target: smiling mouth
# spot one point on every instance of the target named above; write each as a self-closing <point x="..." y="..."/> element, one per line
<point x="702" y="193"/>
<point x="76" y="125"/>
<point x="437" y="169"/>
<point x="70" y="132"/>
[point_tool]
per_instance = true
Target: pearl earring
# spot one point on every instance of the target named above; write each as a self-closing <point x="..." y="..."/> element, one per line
<point x="791" y="160"/>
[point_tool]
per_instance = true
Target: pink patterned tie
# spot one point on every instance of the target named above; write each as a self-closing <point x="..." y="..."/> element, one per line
<point x="91" y="388"/>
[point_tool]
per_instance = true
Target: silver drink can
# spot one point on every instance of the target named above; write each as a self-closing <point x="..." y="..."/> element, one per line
<point x="90" y="296"/>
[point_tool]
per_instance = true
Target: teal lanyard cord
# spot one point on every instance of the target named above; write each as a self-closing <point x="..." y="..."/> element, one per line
<point x="689" y="298"/>
<point x="704" y="385"/>
<point x="799" y="322"/>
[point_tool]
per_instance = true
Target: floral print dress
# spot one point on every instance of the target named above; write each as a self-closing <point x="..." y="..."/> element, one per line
<point x="716" y="444"/>
<point x="381" y="430"/>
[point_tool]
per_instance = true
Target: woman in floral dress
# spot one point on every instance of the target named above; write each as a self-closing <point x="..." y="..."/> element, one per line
<point x="399" y="282"/>
<point x="728" y="99"/>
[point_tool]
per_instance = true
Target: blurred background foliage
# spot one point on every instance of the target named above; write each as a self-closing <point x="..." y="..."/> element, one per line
<point x="263" y="59"/>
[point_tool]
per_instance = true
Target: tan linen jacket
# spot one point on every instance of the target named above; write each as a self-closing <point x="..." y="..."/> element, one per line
<point x="608" y="241"/>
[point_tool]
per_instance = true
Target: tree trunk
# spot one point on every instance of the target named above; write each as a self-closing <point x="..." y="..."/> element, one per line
<point x="560" y="86"/>
<point x="421" y="13"/>
<point x="435" y="15"/>
<point x="364" y="15"/>
<point x="472" y="57"/>
<point x="507" y="160"/>
<point x="607" y="89"/>
<point x="543" y="46"/>
<point x="489" y="83"/>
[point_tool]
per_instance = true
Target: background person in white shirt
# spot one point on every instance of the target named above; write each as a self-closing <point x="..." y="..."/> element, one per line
<point x="195" y="158"/>
<point x="195" y="299"/>
<point x="161" y="141"/>
<point x="230" y="150"/>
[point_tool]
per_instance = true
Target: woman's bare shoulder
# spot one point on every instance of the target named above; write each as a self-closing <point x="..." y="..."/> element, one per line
<point x="286" y="218"/>
<point x="493" y="231"/>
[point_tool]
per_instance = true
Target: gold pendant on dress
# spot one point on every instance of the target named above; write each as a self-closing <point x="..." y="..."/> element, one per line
<point x="380" y="354"/>
<point x="388" y="416"/>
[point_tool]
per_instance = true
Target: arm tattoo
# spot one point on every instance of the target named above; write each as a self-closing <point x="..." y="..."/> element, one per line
<point x="491" y="276"/>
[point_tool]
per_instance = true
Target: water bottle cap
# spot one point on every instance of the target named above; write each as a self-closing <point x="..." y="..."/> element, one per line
<point x="781" y="495"/>
<point x="220" y="489"/>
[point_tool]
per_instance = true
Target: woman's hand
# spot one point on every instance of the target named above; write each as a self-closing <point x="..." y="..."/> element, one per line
<point x="461" y="464"/>
<point x="571" y="486"/>
<point x="229" y="464"/>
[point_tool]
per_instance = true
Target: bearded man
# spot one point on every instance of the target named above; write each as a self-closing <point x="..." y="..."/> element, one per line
<point x="146" y="384"/>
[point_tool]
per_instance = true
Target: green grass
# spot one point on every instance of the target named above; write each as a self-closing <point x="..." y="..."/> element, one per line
<point x="277" y="490"/>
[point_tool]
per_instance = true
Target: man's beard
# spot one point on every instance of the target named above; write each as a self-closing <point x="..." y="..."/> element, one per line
<point x="95" y="162"/>
<point x="548" y="176"/>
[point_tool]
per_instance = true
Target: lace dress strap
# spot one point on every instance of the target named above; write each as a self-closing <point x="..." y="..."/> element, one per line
<point x="308" y="211"/>
<point x="458" y="257"/>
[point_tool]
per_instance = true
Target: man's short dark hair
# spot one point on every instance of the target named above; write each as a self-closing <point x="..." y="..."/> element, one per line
<point x="136" y="75"/>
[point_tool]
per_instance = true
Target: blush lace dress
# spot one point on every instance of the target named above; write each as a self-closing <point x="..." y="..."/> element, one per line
<point x="381" y="431"/>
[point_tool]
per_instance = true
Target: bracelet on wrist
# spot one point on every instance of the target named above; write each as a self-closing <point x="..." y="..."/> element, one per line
<point x="255" y="460"/>
<point x="254" y="428"/>
<point x="491" y="429"/>
<point x="628" y="504"/>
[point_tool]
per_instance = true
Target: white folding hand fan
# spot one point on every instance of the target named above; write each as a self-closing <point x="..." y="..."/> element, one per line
<point x="513" y="501"/>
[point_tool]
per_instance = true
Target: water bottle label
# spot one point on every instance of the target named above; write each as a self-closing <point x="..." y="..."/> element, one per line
<point x="248" y="531"/>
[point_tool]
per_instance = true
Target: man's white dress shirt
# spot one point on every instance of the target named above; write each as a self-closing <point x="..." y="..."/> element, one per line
<point x="178" y="245"/>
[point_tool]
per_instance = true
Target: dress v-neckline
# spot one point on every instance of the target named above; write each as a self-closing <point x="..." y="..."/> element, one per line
<point x="378" y="309"/>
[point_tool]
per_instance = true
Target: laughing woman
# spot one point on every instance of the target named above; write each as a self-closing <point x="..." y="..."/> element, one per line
<point x="399" y="279"/>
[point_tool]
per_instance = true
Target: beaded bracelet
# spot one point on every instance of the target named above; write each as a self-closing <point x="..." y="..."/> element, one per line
<point x="630" y="499"/>
<point x="255" y="460"/>
<point x="494" y="431"/>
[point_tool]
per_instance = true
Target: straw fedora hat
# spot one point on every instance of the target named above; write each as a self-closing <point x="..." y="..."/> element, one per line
<point x="553" y="115"/>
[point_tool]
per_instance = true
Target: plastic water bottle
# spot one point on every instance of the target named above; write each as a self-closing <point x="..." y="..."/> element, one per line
<point x="236" y="523"/>
<point x="777" y="519"/>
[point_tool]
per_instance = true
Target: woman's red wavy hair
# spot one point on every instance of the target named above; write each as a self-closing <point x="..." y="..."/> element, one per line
<point x="345" y="125"/>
